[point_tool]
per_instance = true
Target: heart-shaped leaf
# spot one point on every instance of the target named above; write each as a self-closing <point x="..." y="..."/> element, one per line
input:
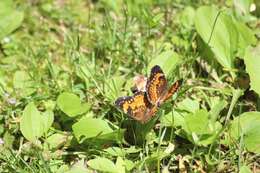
<point x="34" y="124"/>
<point x="31" y="123"/>
<point x="219" y="31"/>
<point x="90" y="127"/>
<point x="71" y="105"/>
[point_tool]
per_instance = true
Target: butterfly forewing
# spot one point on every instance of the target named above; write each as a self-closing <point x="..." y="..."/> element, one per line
<point x="156" y="85"/>
<point x="172" y="90"/>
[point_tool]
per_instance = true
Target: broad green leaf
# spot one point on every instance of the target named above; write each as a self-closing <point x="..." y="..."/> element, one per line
<point x="116" y="135"/>
<point x="244" y="169"/>
<point x="189" y="105"/>
<point x="224" y="39"/>
<point x="90" y="127"/>
<point x="166" y="60"/>
<point x="34" y="123"/>
<point x="47" y="120"/>
<point x="56" y="140"/>
<point x="102" y="164"/>
<point x="129" y="164"/>
<point x="71" y="105"/>
<point x="199" y="129"/>
<point x="197" y="122"/>
<point x="120" y="165"/>
<point x="31" y="123"/>
<point x="173" y="119"/>
<point x="216" y="109"/>
<point x="252" y="140"/>
<point x="252" y="61"/>
<point x="6" y="6"/>
<point x="211" y="135"/>
<point x="242" y="6"/>
<point x="124" y="164"/>
<point x="247" y="125"/>
<point x="246" y="37"/>
<point x="10" y="19"/>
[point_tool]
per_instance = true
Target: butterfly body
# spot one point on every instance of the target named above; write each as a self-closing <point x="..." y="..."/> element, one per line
<point x="143" y="105"/>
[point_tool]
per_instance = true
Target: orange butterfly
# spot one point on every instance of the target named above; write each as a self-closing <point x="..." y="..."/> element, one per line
<point x="143" y="105"/>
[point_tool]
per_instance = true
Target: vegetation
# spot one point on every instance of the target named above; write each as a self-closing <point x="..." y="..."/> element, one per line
<point x="64" y="63"/>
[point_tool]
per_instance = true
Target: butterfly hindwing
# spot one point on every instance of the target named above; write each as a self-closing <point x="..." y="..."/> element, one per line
<point x="137" y="106"/>
<point x="156" y="85"/>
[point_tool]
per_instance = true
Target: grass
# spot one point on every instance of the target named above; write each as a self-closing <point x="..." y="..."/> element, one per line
<point x="73" y="59"/>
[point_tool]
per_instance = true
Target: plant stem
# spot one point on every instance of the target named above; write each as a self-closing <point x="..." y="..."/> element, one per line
<point x="236" y="94"/>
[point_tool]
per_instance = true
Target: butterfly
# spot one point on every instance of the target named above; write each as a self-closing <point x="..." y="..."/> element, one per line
<point x="143" y="105"/>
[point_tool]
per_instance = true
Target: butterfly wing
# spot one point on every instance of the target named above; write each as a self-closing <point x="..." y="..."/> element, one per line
<point x="137" y="106"/>
<point x="156" y="85"/>
<point x="172" y="90"/>
<point x="150" y="113"/>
